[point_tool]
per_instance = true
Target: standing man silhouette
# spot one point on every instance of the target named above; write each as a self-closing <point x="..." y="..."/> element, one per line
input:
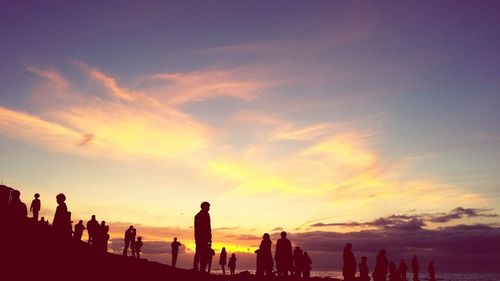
<point x="415" y="267"/>
<point x="202" y="236"/>
<point x="283" y="255"/>
<point x="175" y="251"/>
<point x="35" y="207"/>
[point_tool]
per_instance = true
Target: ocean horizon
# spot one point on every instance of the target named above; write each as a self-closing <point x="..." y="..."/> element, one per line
<point x="444" y="276"/>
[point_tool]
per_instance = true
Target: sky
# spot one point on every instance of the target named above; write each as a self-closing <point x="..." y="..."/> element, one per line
<point x="335" y="121"/>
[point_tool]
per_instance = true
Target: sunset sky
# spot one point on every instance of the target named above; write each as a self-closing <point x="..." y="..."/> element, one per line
<point x="322" y="118"/>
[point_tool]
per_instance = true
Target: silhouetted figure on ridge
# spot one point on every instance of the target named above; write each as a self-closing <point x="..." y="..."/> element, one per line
<point x="298" y="257"/>
<point x="349" y="268"/>
<point x="137" y="247"/>
<point x="175" y="251"/>
<point x="223" y="260"/>
<point x="202" y="236"/>
<point x="265" y="262"/>
<point x="432" y="272"/>
<point x="415" y="268"/>
<point x="403" y="269"/>
<point x="232" y="264"/>
<point x="101" y="237"/>
<point x="35" y="207"/>
<point x="92" y="228"/>
<point x="133" y="233"/>
<point x="62" y="218"/>
<point x="283" y="256"/>
<point x="306" y="265"/>
<point x="128" y="239"/>
<point x="363" y="270"/>
<point x="394" y="274"/>
<point x="79" y="228"/>
<point x="380" y="272"/>
<point x="17" y="211"/>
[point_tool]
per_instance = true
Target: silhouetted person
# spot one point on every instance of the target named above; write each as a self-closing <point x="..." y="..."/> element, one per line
<point x="380" y="272"/>
<point x="298" y="256"/>
<point x="133" y="233"/>
<point x="202" y="236"/>
<point x="43" y="221"/>
<point x="137" y="247"/>
<point x="62" y="218"/>
<point x="265" y="262"/>
<point x="175" y="251"/>
<point x="349" y="268"/>
<point x="101" y="237"/>
<point x="403" y="269"/>
<point x="283" y="256"/>
<point x="92" y="228"/>
<point x="17" y="209"/>
<point x="432" y="271"/>
<point x="223" y="260"/>
<point x="363" y="270"/>
<point x="79" y="228"/>
<point x="232" y="264"/>
<point x="128" y="239"/>
<point x="211" y="254"/>
<point x="415" y="268"/>
<point x="306" y="265"/>
<point x="393" y="272"/>
<point x="35" y="207"/>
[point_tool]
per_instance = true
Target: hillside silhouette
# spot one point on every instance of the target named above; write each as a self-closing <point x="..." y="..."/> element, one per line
<point x="37" y="251"/>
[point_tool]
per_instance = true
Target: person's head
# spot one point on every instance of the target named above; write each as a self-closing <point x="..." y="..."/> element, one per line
<point x="297" y="248"/>
<point x="223" y="249"/>
<point x="233" y="255"/>
<point x="139" y="238"/>
<point x="266" y="236"/>
<point x="131" y="227"/>
<point x="283" y="234"/>
<point x="103" y="223"/>
<point x="15" y="194"/>
<point x="382" y="252"/>
<point x="60" y="198"/>
<point x="42" y="219"/>
<point x="348" y="247"/>
<point x="37" y="195"/>
<point x="80" y="222"/>
<point x="306" y="254"/>
<point x="363" y="259"/>
<point x="93" y="217"/>
<point x="175" y="239"/>
<point x="205" y="206"/>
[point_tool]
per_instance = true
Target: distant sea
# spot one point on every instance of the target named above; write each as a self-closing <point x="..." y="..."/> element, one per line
<point x="445" y="276"/>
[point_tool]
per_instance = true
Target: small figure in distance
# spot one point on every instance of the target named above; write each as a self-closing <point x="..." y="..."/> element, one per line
<point x="105" y="236"/>
<point x="415" y="268"/>
<point x="202" y="236"/>
<point x="306" y="266"/>
<point x="79" y="228"/>
<point x="232" y="263"/>
<point x="62" y="218"/>
<point x="393" y="272"/>
<point x="403" y="269"/>
<point x="17" y="209"/>
<point x="133" y="233"/>
<point x="43" y="221"/>
<point x="432" y="271"/>
<point x="298" y="256"/>
<point x="92" y="228"/>
<point x="283" y="256"/>
<point x="175" y="251"/>
<point x="35" y="207"/>
<point x="349" y="269"/>
<point x="223" y="260"/>
<point x="137" y="247"/>
<point x="380" y="272"/>
<point x="363" y="270"/>
<point x="211" y="254"/>
<point x="127" y="239"/>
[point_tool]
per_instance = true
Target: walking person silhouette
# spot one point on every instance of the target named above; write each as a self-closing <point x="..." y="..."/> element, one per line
<point x="175" y="251"/>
